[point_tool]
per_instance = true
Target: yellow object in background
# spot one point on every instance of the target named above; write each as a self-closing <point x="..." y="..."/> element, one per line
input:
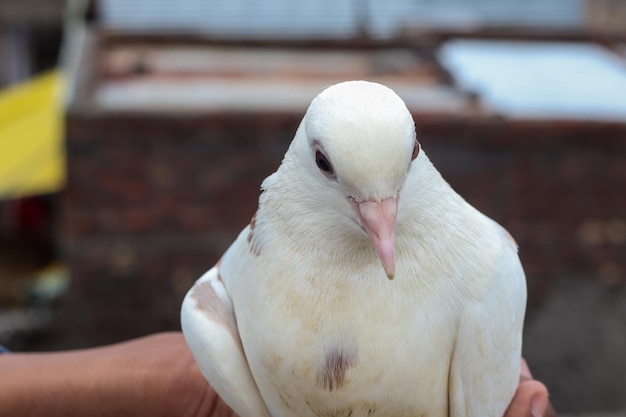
<point x="32" y="153"/>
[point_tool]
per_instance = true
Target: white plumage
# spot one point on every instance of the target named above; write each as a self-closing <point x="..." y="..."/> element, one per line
<point x="299" y="317"/>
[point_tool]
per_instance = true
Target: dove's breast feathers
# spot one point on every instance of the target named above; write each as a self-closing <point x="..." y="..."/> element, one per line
<point x="336" y="336"/>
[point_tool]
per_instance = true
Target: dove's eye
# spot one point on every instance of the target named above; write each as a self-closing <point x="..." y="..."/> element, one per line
<point x="323" y="163"/>
<point x="416" y="150"/>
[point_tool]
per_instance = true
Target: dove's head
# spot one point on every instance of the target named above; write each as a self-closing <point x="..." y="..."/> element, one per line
<point x="360" y="141"/>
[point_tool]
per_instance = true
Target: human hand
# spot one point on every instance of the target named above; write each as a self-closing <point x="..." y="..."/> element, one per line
<point x="155" y="375"/>
<point x="151" y="376"/>
<point x="171" y="383"/>
<point x="531" y="398"/>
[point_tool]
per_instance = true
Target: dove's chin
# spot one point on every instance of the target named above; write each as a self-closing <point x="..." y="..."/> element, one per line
<point x="379" y="221"/>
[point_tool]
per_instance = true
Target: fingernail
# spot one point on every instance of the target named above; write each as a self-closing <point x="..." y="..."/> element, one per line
<point x="538" y="405"/>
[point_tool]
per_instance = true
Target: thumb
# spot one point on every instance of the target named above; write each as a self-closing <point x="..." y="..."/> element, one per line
<point x="531" y="398"/>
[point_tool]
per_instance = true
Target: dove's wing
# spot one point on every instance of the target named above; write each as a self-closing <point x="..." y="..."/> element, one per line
<point x="209" y="326"/>
<point x="485" y="364"/>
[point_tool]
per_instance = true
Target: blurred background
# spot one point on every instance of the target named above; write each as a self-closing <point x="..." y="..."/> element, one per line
<point x="134" y="137"/>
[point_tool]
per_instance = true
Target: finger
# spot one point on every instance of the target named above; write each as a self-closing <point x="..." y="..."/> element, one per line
<point x="530" y="400"/>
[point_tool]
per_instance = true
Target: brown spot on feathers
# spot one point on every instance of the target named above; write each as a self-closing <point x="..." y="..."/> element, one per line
<point x="216" y="310"/>
<point x="333" y="371"/>
<point x="253" y="246"/>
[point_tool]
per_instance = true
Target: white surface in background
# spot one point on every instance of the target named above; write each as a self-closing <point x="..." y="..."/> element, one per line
<point x="234" y="18"/>
<point x="539" y="79"/>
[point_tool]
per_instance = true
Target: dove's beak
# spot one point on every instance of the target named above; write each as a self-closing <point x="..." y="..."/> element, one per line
<point x="379" y="222"/>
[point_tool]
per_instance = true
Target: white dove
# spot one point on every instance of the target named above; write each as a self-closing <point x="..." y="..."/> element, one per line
<point x="299" y="318"/>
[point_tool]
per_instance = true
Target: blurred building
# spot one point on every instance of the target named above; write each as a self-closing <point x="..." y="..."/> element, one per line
<point x="178" y="110"/>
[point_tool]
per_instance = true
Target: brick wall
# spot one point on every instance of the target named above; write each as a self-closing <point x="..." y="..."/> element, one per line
<point x="152" y="202"/>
